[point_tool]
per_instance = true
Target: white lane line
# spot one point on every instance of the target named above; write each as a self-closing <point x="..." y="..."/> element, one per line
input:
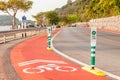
<point x="40" y="60"/>
<point x="78" y="62"/>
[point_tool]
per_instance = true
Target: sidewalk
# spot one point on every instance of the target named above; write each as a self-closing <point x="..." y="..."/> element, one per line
<point x="32" y="61"/>
<point x="6" y="70"/>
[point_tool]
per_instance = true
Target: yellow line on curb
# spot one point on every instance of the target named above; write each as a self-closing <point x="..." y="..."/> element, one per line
<point x="49" y="48"/>
<point x="94" y="71"/>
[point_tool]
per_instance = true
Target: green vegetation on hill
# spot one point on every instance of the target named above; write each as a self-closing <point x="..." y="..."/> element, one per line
<point x="6" y="20"/>
<point x="82" y="10"/>
<point x="89" y="9"/>
<point x="103" y="8"/>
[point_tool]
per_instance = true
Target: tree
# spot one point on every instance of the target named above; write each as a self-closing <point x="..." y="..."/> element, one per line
<point x="12" y="6"/>
<point x="69" y="2"/>
<point x="52" y="17"/>
<point x="103" y="8"/>
<point x="39" y="18"/>
<point x="72" y="18"/>
<point x="63" y="20"/>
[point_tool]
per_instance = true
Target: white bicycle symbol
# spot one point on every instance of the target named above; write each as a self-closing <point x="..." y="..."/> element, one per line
<point x="49" y="67"/>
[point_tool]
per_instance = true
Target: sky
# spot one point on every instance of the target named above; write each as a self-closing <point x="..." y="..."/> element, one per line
<point x="40" y="6"/>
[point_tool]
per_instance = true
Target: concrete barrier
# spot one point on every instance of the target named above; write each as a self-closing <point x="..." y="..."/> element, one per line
<point x="111" y="23"/>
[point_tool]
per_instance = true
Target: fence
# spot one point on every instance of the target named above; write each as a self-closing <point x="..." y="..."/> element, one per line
<point x="17" y="34"/>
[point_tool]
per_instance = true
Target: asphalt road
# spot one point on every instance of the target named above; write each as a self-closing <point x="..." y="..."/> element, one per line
<point x="75" y="42"/>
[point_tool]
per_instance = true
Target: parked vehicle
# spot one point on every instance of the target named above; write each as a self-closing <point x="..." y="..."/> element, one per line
<point x="73" y="25"/>
<point x="30" y="26"/>
<point x="58" y="26"/>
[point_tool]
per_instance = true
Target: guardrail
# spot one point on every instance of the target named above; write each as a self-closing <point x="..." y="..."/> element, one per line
<point x="6" y="36"/>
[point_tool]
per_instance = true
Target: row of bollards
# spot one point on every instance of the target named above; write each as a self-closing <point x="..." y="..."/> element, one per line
<point x="50" y="31"/>
<point x="90" y="69"/>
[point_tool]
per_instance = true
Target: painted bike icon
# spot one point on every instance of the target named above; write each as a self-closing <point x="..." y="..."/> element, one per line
<point x="49" y="67"/>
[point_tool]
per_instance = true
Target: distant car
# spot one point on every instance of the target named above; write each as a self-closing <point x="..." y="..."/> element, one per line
<point x="30" y="26"/>
<point x="58" y="26"/>
<point x="39" y="26"/>
<point x="73" y="25"/>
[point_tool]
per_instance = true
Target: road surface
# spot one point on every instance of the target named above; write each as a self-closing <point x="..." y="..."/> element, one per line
<point x="32" y="61"/>
<point x="75" y="42"/>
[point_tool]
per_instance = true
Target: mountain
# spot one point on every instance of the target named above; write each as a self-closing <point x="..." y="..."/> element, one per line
<point x="7" y="20"/>
<point x="90" y="9"/>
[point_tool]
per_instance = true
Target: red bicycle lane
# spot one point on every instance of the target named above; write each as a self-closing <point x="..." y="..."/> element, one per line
<point x="32" y="61"/>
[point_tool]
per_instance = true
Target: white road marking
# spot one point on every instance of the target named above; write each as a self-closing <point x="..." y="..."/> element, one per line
<point x="78" y="62"/>
<point x="40" y="60"/>
<point x="49" y="67"/>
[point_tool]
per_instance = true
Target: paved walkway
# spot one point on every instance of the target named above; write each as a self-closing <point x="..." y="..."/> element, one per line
<point x="32" y="61"/>
<point x="7" y="71"/>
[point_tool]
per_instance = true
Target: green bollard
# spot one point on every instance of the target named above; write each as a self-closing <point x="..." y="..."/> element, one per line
<point x="91" y="68"/>
<point x="93" y="46"/>
<point x="49" y="38"/>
